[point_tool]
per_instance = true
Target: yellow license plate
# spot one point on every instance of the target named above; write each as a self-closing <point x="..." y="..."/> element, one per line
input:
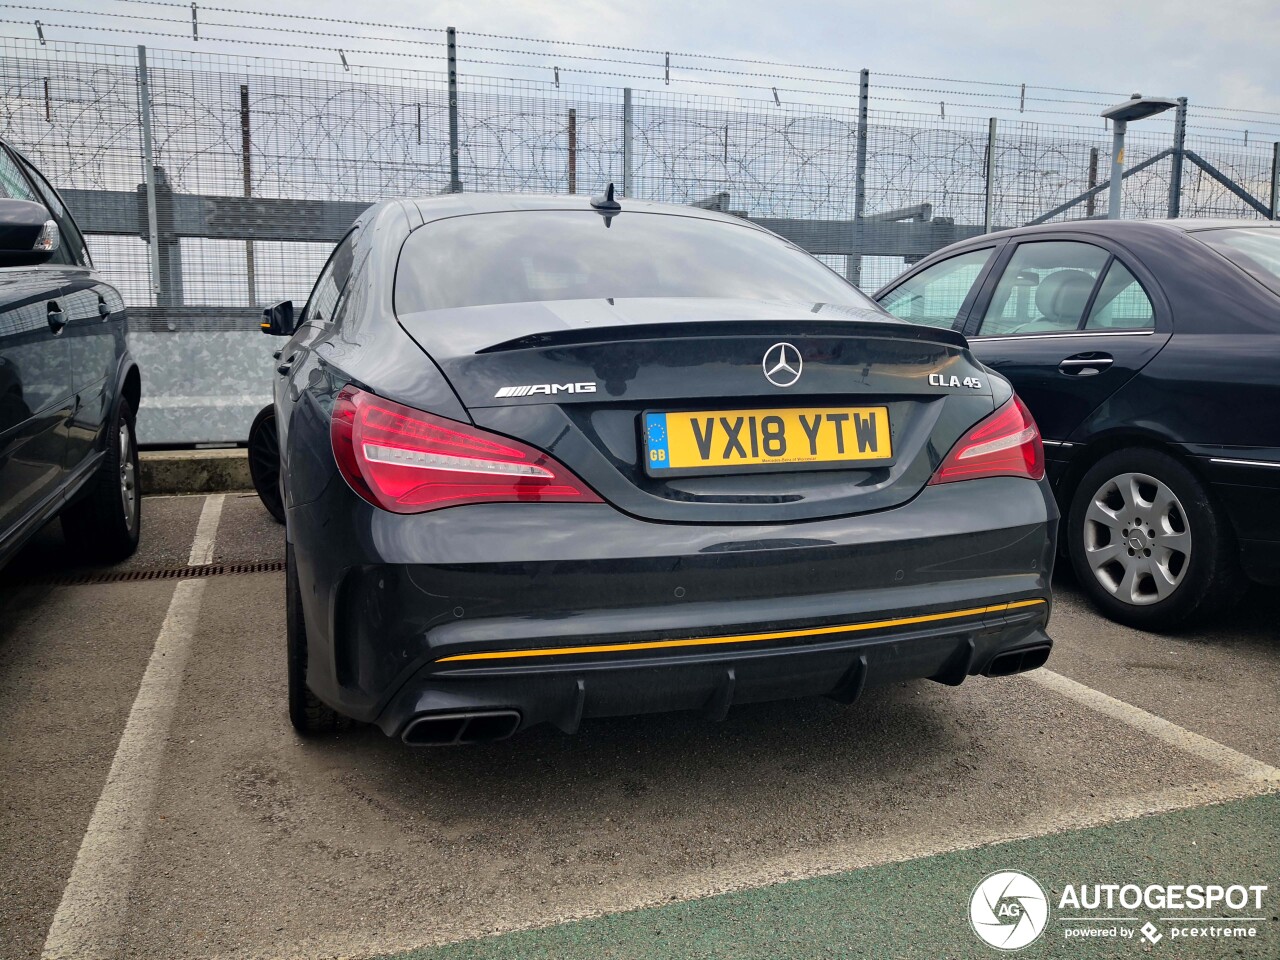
<point x="726" y="440"/>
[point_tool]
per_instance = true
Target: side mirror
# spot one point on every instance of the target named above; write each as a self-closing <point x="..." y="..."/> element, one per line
<point x="277" y="319"/>
<point x="28" y="235"/>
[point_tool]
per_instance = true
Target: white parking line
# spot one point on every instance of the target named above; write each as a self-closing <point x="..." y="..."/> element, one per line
<point x="206" y="531"/>
<point x="90" y="918"/>
<point x="1240" y="764"/>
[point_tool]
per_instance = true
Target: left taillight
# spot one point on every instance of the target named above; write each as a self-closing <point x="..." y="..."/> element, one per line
<point x="407" y="461"/>
<point x="1005" y="444"/>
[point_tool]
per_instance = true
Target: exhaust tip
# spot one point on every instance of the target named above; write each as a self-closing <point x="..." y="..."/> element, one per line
<point x="1018" y="661"/>
<point x="447" y="729"/>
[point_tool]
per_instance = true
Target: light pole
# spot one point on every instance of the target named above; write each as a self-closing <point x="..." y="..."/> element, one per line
<point x="1136" y="107"/>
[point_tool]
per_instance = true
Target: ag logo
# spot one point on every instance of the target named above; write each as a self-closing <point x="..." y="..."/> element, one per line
<point x="1008" y="910"/>
<point x="782" y="364"/>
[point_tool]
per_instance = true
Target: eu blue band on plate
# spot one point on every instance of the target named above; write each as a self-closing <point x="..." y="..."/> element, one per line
<point x="655" y="433"/>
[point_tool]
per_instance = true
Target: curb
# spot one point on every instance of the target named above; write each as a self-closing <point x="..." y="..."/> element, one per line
<point x="194" y="471"/>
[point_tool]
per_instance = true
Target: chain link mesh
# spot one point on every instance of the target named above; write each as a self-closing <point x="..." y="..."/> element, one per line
<point x="262" y="161"/>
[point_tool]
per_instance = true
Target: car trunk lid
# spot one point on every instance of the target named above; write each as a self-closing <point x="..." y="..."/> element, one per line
<point x="589" y="381"/>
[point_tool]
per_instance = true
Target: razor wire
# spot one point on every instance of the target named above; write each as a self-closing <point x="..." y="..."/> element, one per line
<point x="268" y="128"/>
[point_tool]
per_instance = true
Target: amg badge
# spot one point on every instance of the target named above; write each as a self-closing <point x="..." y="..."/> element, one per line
<point x="545" y="388"/>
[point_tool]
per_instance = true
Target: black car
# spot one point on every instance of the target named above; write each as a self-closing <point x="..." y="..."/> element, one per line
<point x="69" y="389"/>
<point x="1149" y="354"/>
<point x="544" y="459"/>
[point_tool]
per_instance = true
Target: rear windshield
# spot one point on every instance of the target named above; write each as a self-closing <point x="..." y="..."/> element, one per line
<point x="524" y="256"/>
<point x="1256" y="250"/>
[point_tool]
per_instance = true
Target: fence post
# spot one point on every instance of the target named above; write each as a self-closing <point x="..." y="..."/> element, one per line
<point x="626" y="141"/>
<point x="246" y="143"/>
<point x="455" y="180"/>
<point x="1175" y="169"/>
<point x="573" y="150"/>
<point x="1275" y="180"/>
<point x="853" y="263"/>
<point x="148" y="159"/>
<point x="1091" y="205"/>
<point x="991" y="175"/>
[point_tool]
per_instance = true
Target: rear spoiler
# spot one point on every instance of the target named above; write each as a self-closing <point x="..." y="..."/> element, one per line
<point x="788" y="329"/>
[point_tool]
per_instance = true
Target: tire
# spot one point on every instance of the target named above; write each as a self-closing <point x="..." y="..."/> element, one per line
<point x="309" y="716"/>
<point x="1148" y="545"/>
<point x="105" y="523"/>
<point x="264" y="461"/>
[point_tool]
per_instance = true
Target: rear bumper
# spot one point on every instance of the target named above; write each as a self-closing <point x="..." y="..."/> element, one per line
<point x="564" y="689"/>
<point x="503" y="607"/>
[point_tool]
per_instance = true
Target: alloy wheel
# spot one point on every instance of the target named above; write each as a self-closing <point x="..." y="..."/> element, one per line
<point x="1136" y="539"/>
<point x="128" y="477"/>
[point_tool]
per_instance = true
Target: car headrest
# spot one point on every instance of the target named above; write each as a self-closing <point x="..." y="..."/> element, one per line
<point x="1061" y="295"/>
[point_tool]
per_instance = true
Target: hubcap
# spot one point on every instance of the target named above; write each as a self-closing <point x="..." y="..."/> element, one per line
<point x="1136" y="539"/>
<point x="128" y="477"/>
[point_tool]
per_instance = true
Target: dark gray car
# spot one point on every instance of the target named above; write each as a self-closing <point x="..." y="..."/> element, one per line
<point x="545" y="460"/>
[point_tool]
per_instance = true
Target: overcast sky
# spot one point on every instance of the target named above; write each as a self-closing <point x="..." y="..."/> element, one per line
<point x="1221" y="53"/>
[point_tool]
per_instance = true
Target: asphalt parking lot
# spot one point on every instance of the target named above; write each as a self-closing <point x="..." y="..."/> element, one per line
<point x="157" y="803"/>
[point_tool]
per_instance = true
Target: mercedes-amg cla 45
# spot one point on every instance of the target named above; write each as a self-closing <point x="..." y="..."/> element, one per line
<point x="544" y="459"/>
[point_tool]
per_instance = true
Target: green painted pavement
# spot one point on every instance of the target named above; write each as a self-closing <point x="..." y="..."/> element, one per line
<point x="920" y="908"/>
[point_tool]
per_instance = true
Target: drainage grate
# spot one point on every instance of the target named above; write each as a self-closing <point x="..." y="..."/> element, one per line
<point x="160" y="573"/>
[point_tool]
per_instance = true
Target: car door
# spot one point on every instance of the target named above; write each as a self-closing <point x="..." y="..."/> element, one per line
<point x="37" y="394"/>
<point x="1068" y="322"/>
<point x="298" y="364"/>
<point x="94" y="332"/>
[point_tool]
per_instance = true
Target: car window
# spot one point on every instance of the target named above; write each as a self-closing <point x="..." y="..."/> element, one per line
<point x="1044" y="289"/>
<point x="934" y="296"/>
<point x="351" y="303"/>
<point x="13" y="185"/>
<point x="71" y="250"/>
<point x="542" y="255"/>
<point x="1255" y="250"/>
<point x="1121" y="303"/>
<point x="333" y="280"/>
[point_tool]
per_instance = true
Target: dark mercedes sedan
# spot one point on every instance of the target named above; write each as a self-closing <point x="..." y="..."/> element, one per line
<point x="1149" y="353"/>
<point x="69" y="388"/>
<point x="545" y="459"/>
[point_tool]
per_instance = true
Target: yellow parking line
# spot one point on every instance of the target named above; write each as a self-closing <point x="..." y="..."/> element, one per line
<point x="740" y="638"/>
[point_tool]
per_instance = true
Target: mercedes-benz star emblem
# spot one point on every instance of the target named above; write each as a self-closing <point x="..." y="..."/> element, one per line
<point x="782" y="364"/>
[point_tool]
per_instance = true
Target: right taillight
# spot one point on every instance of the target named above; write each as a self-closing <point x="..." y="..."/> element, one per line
<point x="1005" y="444"/>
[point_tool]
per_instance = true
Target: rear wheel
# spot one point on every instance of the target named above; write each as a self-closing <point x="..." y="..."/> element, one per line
<point x="105" y="523"/>
<point x="307" y="713"/>
<point x="264" y="461"/>
<point x="1148" y="545"/>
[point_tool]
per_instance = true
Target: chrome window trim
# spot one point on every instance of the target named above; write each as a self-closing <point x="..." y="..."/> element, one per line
<point x="1068" y="333"/>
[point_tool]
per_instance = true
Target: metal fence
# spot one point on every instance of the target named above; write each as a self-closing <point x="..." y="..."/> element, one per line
<point x="258" y="165"/>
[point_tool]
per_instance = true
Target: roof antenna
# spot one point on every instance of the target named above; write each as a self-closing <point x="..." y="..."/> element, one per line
<point x="605" y="205"/>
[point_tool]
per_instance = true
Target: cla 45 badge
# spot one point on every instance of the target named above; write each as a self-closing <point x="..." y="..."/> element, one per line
<point x="942" y="380"/>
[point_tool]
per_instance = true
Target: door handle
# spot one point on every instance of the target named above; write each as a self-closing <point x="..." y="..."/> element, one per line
<point x="1086" y="364"/>
<point x="287" y="365"/>
<point x="57" y="319"/>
